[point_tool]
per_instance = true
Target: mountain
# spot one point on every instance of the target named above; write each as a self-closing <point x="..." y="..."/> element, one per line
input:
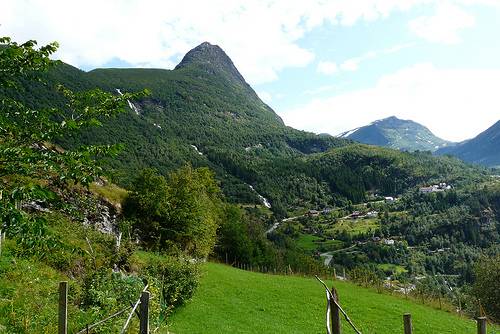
<point x="214" y="60"/>
<point x="204" y="113"/>
<point x="397" y="133"/>
<point x="482" y="149"/>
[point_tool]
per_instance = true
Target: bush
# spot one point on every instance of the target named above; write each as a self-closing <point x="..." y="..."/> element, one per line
<point x="176" y="278"/>
<point x="105" y="289"/>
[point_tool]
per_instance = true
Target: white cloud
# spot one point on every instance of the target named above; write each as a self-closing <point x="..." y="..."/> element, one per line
<point x="260" y="35"/>
<point x="353" y="64"/>
<point x="320" y="90"/>
<point x="350" y="64"/>
<point x="455" y="104"/>
<point x="157" y="33"/>
<point x="327" y="67"/>
<point x="444" y="26"/>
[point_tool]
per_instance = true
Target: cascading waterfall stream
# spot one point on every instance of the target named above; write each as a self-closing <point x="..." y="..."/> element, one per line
<point x="130" y="104"/>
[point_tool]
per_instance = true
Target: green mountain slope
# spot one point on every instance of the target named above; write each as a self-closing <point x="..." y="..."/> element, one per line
<point x="204" y="113"/>
<point x="234" y="301"/>
<point x="398" y="134"/>
<point x="482" y="149"/>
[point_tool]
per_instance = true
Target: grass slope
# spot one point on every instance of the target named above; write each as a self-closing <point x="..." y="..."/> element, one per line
<point x="235" y="301"/>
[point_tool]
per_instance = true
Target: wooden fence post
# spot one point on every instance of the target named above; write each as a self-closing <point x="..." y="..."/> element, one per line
<point x="335" y="314"/>
<point x="63" y="308"/>
<point x="144" y="311"/>
<point x="407" y="323"/>
<point x="459" y="306"/>
<point x="481" y="325"/>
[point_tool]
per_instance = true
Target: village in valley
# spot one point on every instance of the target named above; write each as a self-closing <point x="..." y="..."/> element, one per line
<point x="328" y="232"/>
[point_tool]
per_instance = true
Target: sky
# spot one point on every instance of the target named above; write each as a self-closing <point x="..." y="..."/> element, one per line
<point x="325" y="66"/>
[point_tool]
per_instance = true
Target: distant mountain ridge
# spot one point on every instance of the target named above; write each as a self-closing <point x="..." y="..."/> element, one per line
<point x="398" y="134"/>
<point x="484" y="149"/>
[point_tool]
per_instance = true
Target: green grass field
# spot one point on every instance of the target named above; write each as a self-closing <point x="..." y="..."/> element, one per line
<point x="392" y="267"/>
<point x="311" y="243"/>
<point x="235" y="301"/>
<point x="355" y="226"/>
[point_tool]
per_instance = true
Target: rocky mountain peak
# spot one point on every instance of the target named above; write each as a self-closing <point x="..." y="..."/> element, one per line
<point x="213" y="59"/>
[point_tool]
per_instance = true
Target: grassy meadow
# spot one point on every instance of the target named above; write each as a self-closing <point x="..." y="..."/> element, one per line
<point x="230" y="300"/>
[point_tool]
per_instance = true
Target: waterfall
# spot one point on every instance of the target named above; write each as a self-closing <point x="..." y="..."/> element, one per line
<point x="130" y="104"/>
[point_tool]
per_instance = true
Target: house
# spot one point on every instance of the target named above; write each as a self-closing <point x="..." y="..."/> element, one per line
<point x="426" y="190"/>
<point x="313" y="213"/>
<point x="372" y="214"/>
<point x="435" y="188"/>
<point x="326" y="211"/>
<point x="355" y="215"/>
<point x="388" y="241"/>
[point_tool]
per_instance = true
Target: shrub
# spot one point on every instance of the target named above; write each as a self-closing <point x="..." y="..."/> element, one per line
<point x="176" y="278"/>
<point x="105" y="289"/>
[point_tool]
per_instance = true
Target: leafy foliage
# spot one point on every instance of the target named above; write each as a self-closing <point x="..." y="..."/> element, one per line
<point x="487" y="285"/>
<point x="176" y="278"/>
<point x="182" y="211"/>
<point x="28" y="134"/>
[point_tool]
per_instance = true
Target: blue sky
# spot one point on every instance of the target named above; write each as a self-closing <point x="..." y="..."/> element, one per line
<point x="324" y="66"/>
<point x="392" y="46"/>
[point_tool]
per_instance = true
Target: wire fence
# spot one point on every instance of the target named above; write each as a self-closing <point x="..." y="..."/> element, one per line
<point x="143" y="314"/>
<point x="333" y="319"/>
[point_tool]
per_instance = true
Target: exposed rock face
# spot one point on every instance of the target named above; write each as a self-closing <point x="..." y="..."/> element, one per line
<point x="93" y="211"/>
<point x="102" y="217"/>
<point x="34" y="206"/>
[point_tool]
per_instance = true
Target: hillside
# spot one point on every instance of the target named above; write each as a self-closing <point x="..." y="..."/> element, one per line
<point x="482" y="149"/>
<point x="204" y="113"/>
<point x="397" y="134"/>
<point x="235" y="301"/>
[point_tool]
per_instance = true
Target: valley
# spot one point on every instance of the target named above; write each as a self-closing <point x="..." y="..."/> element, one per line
<point x="116" y="177"/>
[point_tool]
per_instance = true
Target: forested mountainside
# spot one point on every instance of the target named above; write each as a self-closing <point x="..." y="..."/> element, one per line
<point x="203" y="112"/>
<point x="482" y="149"/>
<point x="398" y="134"/>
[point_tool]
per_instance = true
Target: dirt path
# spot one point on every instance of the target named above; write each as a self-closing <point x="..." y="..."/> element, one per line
<point x="277" y="224"/>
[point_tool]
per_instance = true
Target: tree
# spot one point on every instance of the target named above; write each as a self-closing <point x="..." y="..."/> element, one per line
<point x="32" y="166"/>
<point x="180" y="212"/>
<point x="234" y="242"/>
<point x="487" y="285"/>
